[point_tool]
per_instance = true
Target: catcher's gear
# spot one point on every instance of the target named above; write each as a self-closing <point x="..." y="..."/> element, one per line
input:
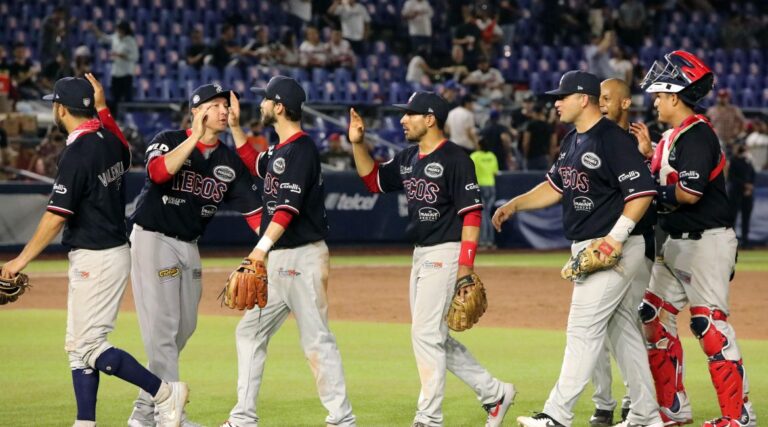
<point x="588" y="260"/>
<point x="246" y="286"/>
<point x="12" y="289"/>
<point x="682" y="73"/>
<point x="466" y="310"/>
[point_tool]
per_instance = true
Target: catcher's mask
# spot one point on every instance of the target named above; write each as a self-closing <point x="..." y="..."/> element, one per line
<point x="682" y="73"/>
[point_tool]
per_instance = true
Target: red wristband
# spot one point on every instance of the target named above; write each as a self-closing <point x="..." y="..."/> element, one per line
<point x="467" y="254"/>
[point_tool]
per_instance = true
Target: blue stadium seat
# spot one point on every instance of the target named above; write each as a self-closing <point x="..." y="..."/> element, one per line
<point x="232" y="73"/>
<point x="754" y="83"/>
<point x="749" y="99"/>
<point x="319" y="76"/>
<point x="209" y="74"/>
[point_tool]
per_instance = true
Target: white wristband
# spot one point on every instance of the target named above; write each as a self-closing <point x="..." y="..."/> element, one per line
<point x="620" y="231"/>
<point x="265" y="244"/>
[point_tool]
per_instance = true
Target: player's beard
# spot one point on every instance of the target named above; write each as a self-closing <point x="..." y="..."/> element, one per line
<point x="57" y="121"/>
<point x="415" y="135"/>
<point x="268" y="118"/>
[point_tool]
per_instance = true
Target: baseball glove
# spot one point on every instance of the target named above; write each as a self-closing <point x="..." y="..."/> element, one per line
<point x="246" y="286"/>
<point x="587" y="260"/>
<point x="12" y="289"/>
<point x="466" y="310"/>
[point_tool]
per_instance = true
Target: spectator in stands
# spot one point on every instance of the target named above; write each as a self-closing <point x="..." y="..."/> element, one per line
<point x="486" y="169"/>
<point x="460" y="125"/>
<point x="312" y="52"/>
<point x="124" y="53"/>
<point x="497" y="139"/>
<point x="457" y="69"/>
<point x="623" y="68"/>
<point x="741" y="182"/>
<point x="450" y="92"/>
<point x="5" y="151"/>
<point x="23" y="73"/>
<point x="631" y="22"/>
<point x="490" y="32"/>
<point x="336" y="157"/>
<point x="53" y="34"/>
<point x="46" y="159"/>
<point x="83" y="62"/>
<point x="487" y="81"/>
<point x="522" y="115"/>
<point x="288" y="53"/>
<point x="5" y="82"/>
<point x="757" y="141"/>
<point x="57" y="68"/>
<point x="355" y="22"/>
<point x="256" y="137"/>
<point x="507" y="14"/>
<point x="598" y="55"/>
<point x="226" y="49"/>
<point x="196" y="50"/>
<point x="419" y="15"/>
<point x="419" y="72"/>
<point x="538" y="138"/>
<point x="299" y="15"/>
<point x="597" y="17"/>
<point x="468" y="36"/>
<point x="260" y="49"/>
<point x="726" y="118"/>
<point x="340" y="53"/>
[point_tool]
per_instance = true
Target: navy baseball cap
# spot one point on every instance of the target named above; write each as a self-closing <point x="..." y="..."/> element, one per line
<point x="72" y="92"/>
<point x="284" y="90"/>
<point x="577" y="82"/>
<point x="426" y="103"/>
<point x="207" y="92"/>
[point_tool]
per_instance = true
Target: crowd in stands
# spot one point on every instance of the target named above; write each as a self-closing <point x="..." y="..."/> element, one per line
<point x="489" y="58"/>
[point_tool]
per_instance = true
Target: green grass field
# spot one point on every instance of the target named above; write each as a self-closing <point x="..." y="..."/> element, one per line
<point x="381" y="374"/>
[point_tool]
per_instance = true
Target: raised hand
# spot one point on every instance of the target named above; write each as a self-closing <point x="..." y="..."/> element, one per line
<point x="198" y="122"/>
<point x="233" y="119"/>
<point x="99" y="101"/>
<point x="640" y="131"/>
<point x="356" y="127"/>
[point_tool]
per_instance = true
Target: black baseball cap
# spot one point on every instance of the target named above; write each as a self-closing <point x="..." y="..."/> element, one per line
<point x="207" y="92"/>
<point x="72" y="92"/>
<point x="577" y="82"/>
<point x="284" y="90"/>
<point x="426" y="103"/>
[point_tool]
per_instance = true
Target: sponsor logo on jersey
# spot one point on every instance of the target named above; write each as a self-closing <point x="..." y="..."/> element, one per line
<point x="293" y="188"/>
<point x="583" y="204"/>
<point x="432" y="265"/>
<point x="208" y="211"/>
<point x="224" y="173"/>
<point x="591" y="160"/>
<point x="631" y="175"/>
<point x="573" y="179"/>
<point x="689" y="175"/>
<point x="157" y="146"/>
<point x="279" y="165"/>
<point x="60" y="189"/>
<point x="354" y="202"/>
<point x="404" y="170"/>
<point x="113" y="173"/>
<point x="471" y="186"/>
<point x="428" y="214"/>
<point x="168" y="273"/>
<point x="433" y="170"/>
<point x="206" y="187"/>
<point x="421" y="189"/>
<point x="173" y="201"/>
<point x="284" y="272"/>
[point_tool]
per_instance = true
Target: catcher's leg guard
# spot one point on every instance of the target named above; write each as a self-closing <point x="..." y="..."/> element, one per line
<point x="727" y="375"/>
<point x="665" y="356"/>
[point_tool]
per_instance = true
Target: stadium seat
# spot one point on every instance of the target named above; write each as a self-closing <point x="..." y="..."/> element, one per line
<point x="209" y="74"/>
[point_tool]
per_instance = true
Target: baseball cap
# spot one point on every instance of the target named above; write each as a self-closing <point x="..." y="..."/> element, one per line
<point x="207" y="92"/>
<point x="73" y="92"/>
<point x="284" y="90"/>
<point x="426" y="103"/>
<point x="577" y="82"/>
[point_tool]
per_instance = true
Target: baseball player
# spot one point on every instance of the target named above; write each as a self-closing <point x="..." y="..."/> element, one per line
<point x="294" y="229"/>
<point x="444" y="206"/>
<point x="189" y="174"/>
<point x="88" y="202"/>
<point x="700" y="252"/>
<point x="605" y="188"/>
<point x="615" y="101"/>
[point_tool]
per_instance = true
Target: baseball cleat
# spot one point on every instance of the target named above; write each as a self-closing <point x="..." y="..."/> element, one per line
<point x="624" y="413"/>
<point x="601" y="418"/>
<point x="171" y="410"/>
<point x="133" y="422"/>
<point x="228" y="424"/>
<point x="627" y="423"/>
<point x="538" y="420"/>
<point x="497" y="410"/>
<point x="680" y="412"/>
<point x="419" y="424"/>
<point x="82" y="423"/>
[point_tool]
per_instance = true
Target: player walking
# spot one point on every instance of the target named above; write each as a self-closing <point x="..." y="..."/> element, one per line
<point x="700" y="252"/>
<point x="189" y="174"/>
<point x="444" y="207"/>
<point x="605" y="188"/>
<point x="88" y="202"/>
<point x="294" y="229"/>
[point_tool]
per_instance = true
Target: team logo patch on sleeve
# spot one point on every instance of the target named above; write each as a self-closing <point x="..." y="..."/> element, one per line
<point x="591" y="160"/>
<point x="471" y="186"/>
<point x="433" y="170"/>
<point x="279" y="165"/>
<point x="428" y="214"/>
<point x="208" y="211"/>
<point x="224" y="173"/>
<point x="60" y="189"/>
<point x="631" y="175"/>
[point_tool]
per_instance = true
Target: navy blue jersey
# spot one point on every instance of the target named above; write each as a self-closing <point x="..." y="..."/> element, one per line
<point x="182" y="206"/>
<point x="88" y="190"/>
<point x="597" y="172"/>
<point x="293" y="182"/>
<point x="694" y="156"/>
<point x="440" y="188"/>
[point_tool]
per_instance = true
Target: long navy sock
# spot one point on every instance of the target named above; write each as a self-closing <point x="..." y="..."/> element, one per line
<point x="122" y="365"/>
<point x="86" y="385"/>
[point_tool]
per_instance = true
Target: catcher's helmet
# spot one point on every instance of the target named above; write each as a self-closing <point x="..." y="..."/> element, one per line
<point x="683" y="73"/>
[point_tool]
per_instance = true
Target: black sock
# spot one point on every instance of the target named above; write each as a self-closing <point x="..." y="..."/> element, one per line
<point x="122" y="365"/>
<point x="86" y="385"/>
